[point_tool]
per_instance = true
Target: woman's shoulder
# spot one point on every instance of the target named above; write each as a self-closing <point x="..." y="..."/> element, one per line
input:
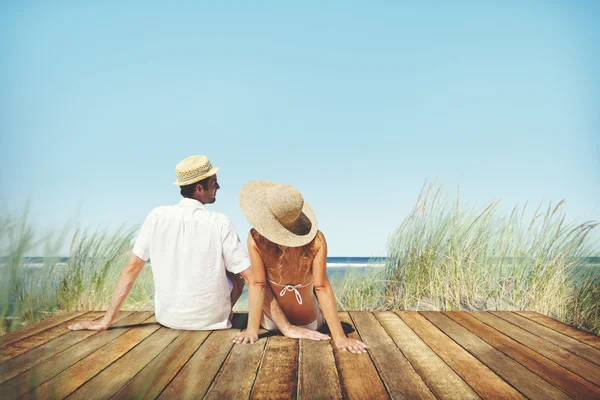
<point x="319" y="240"/>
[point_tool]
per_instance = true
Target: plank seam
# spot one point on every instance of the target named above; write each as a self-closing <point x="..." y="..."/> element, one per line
<point x="99" y="372"/>
<point x="75" y="362"/>
<point x="299" y="369"/>
<point x="141" y="369"/>
<point x="10" y="343"/>
<point x="440" y="357"/>
<point x="42" y="344"/>
<point x="474" y="356"/>
<point x="523" y="344"/>
<point x="597" y="362"/>
<point x="56" y="354"/>
<point x="214" y="378"/>
<point x="552" y="329"/>
<point x="385" y="386"/>
<point x="262" y="357"/>
<point x="404" y="355"/>
<point x="508" y="355"/>
<point x="184" y="364"/>
<point x="337" y="368"/>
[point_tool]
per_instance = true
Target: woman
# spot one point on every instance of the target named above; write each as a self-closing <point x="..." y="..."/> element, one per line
<point x="289" y="254"/>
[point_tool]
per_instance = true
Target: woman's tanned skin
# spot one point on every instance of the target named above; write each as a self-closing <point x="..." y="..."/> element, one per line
<point x="285" y="311"/>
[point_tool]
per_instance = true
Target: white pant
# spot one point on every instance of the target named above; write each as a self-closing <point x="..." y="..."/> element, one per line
<point x="270" y="325"/>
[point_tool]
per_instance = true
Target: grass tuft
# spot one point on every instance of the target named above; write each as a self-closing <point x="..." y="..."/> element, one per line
<point x="447" y="257"/>
<point x="31" y="291"/>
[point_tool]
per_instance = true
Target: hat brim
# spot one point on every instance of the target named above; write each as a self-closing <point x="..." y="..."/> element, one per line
<point x="255" y="209"/>
<point x="210" y="173"/>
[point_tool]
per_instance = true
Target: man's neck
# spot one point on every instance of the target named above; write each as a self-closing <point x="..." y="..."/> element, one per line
<point x="193" y="198"/>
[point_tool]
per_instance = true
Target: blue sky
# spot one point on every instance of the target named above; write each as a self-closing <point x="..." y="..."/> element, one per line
<point x="355" y="104"/>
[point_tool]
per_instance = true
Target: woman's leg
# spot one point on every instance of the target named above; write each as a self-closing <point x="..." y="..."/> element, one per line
<point x="268" y="324"/>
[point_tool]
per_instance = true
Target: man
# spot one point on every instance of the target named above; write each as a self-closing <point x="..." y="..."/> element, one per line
<point x="198" y="261"/>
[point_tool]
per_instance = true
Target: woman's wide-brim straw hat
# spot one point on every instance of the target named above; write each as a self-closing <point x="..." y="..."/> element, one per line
<point x="279" y="213"/>
<point x="193" y="169"/>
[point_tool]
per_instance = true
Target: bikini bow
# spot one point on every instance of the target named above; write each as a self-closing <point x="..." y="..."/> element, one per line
<point x="290" y="288"/>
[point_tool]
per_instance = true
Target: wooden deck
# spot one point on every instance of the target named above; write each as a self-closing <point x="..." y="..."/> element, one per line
<point x="412" y="355"/>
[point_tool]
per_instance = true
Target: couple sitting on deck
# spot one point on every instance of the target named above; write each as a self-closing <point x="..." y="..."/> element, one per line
<point x="199" y="265"/>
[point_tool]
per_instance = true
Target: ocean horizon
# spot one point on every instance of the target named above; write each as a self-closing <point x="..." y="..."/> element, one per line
<point x="332" y="262"/>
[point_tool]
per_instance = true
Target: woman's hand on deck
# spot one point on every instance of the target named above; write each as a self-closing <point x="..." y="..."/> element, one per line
<point x="296" y="332"/>
<point x="90" y="326"/>
<point x="245" y="336"/>
<point x="352" y="345"/>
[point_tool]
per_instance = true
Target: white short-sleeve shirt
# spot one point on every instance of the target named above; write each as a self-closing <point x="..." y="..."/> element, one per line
<point x="190" y="249"/>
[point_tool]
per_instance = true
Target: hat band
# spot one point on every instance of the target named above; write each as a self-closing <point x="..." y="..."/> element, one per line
<point x="194" y="173"/>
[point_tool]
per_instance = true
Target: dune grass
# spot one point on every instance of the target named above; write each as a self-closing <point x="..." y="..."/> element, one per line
<point x="444" y="257"/>
<point x="85" y="282"/>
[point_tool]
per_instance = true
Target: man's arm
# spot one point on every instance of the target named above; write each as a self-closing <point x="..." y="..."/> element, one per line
<point x="128" y="276"/>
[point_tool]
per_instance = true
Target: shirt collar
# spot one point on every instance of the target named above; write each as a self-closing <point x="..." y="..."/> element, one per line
<point x="191" y="203"/>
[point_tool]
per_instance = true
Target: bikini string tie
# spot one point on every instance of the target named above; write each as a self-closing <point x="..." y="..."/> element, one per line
<point x="290" y="288"/>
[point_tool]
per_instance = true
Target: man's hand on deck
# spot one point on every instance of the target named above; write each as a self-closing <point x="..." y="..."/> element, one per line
<point x="245" y="336"/>
<point x="90" y="326"/>
<point x="296" y="332"/>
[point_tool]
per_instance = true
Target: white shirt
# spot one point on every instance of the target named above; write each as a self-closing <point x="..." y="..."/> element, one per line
<point x="190" y="248"/>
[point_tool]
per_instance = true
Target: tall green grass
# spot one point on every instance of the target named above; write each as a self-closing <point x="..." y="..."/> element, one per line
<point x="85" y="282"/>
<point x="447" y="257"/>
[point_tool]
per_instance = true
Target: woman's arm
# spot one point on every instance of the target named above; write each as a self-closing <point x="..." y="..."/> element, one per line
<point x="255" y="277"/>
<point x="327" y="302"/>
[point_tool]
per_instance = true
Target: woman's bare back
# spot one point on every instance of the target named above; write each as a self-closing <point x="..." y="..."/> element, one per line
<point x="289" y="275"/>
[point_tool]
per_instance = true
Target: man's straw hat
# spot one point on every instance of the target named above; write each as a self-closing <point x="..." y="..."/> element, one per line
<point x="279" y="213"/>
<point x="193" y="169"/>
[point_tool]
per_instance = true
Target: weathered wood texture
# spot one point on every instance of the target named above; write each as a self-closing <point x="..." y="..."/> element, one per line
<point x="417" y="355"/>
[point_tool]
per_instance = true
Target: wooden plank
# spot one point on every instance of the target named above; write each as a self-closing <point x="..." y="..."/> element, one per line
<point x="398" y="375"/>
<point x="33" y="377"/>
<point x="76" y="375"/>
<point x="277" y="376"/>
<point x="574" y="346"/>
<point x="440" y="378"/>
<point x="563" y="328"/>
<point x="570" y="383"/>
<point x="37" y="327"/>
<point x="19" y="347"/>
<point x="511" y="371"/>
<point x="318" y="377"/>
<point x="236" y="377"/>
<point x="562" y="357"/>
<point x="167" y="342"/>
<point x="195" y="377"/>
<point x="359" y="377"/>
<point x="151" y="381"/>
<point x="477" y="375"/>
<point x="33" y="357"/>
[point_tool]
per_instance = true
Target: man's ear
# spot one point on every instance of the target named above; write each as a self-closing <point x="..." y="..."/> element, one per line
<point x="199" y="188"/>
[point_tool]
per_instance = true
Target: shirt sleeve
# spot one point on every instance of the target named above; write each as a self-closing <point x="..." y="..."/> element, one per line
<point x="234" y="255"/>
<point x="142" y="243"/>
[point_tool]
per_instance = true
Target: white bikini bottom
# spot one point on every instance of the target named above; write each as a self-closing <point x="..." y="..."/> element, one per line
<point x="270" y="325"/>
